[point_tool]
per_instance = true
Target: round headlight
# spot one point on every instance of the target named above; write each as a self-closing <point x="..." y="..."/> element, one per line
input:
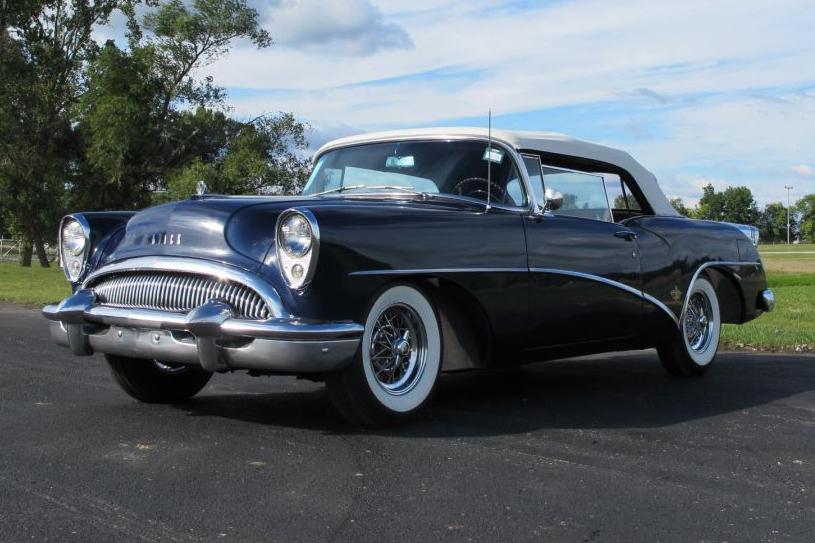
<point x="295" y="235"/>
<point x="73" y="238"/>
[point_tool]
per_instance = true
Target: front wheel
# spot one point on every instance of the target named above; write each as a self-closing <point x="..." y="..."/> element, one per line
<point x="153" y="381"/>
<point x="692" y="350"/>
<point x="398" y="363"/>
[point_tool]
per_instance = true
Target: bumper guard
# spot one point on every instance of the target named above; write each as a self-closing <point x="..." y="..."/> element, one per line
<point x="210" y="335"/>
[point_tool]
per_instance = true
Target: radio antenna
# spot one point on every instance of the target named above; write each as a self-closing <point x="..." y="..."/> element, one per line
<point x="489" y="157"/>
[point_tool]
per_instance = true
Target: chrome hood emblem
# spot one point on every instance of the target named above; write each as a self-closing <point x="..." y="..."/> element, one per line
<point x="164" y="238"/>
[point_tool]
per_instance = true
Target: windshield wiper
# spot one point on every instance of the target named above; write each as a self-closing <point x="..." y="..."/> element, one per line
<point x="375" y="187"/>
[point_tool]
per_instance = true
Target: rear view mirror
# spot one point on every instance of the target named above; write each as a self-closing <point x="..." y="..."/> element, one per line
<point x="554" y="200"/>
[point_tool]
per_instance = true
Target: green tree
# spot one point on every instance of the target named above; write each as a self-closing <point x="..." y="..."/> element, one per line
<point x="805" y="212"/>
<point x="680" y="207"/>
<point x="264" y="157"/>
<point x="734" y="204"/>
<point x="44" y="47"/>
<point x="773" y="223"/>
<point x="711" y="205"/>
<point x="135" y="121"/>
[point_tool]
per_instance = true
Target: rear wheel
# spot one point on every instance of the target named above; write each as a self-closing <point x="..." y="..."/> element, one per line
<point x="693" y="349"/>
<point x="154" y="381"/>
<point x="398" y="364"/>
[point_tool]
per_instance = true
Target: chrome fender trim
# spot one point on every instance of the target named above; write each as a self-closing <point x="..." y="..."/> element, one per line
<point x="699" y="271"/>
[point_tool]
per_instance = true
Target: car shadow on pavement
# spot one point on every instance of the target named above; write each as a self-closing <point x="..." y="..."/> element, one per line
<point x="630" y="391"/>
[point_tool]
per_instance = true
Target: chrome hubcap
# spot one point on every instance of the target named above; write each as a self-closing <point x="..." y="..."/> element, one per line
<point x="698" y="322"/>
<point x="398" y="349"/>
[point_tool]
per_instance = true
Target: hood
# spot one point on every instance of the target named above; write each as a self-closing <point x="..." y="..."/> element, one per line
<point x="239" y="231"/>
<point x="236" y="231"/>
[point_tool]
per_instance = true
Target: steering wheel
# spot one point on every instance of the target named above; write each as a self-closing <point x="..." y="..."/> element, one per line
<point x="476" y="187"/>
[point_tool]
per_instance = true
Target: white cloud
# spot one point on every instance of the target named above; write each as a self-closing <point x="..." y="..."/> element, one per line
<point x="335" y="27"/>
<point x="804" y="170"/>
<point x="711" y="90"/>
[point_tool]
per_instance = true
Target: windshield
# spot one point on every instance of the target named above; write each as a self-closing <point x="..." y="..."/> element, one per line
<point x="431" y="167"/>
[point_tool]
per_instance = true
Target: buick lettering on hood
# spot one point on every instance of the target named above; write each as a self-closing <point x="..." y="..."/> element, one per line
<point x="408" y="253"/>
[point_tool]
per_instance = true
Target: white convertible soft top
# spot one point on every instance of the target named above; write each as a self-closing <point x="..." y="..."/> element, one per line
<point x="548" y="142"/>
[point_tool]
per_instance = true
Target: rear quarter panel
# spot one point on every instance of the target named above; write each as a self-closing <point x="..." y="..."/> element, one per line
<point x="672" y="249"/>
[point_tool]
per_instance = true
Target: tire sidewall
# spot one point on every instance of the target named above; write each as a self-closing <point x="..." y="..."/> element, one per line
<point x="703" y="359"/>
<point x="412" y="400"/>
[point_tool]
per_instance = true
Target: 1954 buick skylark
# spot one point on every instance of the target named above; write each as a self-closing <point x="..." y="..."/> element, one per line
<point x="408" y="253"/>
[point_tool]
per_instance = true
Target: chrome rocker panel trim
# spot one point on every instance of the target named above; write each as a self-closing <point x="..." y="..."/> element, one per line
<point x="209" y="336"/>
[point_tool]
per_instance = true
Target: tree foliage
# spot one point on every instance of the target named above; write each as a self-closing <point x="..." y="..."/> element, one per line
<point x="773" y="223"/>
<point x="89" y="126"/>
<point x="680" y="207"/>
<point x="44" y="47"/>
<point x="734" y="204"/>
<point x="805" y="211"/>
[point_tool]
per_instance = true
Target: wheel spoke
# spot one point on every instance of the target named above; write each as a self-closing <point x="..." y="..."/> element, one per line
<point x="397" y="349"/>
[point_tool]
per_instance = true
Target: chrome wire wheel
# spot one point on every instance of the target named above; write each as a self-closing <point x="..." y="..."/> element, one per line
<point x="398" y="349"/>
<point x="698" y="322"/>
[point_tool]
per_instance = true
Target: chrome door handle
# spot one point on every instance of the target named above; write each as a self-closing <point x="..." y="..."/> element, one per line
<point x="627" y="235"/>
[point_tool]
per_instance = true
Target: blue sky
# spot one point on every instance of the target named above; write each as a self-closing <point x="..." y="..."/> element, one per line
<point x="700" y="92"/>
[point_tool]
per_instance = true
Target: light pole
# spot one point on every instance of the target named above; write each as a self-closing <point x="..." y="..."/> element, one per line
<point x="789" y="188"/>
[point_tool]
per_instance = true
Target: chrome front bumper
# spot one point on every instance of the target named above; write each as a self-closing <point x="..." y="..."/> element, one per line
<point x="209" y="335"/>
<point x="766" y="300"/>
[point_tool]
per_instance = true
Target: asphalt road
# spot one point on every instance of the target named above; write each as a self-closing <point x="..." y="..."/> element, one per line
<point x="599" y="449"/>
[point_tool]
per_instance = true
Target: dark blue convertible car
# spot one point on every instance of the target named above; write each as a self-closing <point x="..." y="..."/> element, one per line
<point x="408" y="253"/>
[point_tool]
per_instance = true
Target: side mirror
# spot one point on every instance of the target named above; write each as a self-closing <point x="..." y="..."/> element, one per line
<point x="554" y="200"/>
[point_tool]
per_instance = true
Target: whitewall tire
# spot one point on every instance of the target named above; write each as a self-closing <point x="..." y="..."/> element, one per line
<point x="693" y="349"/>
<point x="398" y="363"/>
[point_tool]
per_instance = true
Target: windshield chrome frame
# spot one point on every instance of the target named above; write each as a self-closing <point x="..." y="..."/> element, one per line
<point x="531" y="202"/>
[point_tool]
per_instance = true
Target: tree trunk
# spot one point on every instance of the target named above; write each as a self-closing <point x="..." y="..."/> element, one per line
<point x="42" y="256"/>
<point x="26" y="252"/>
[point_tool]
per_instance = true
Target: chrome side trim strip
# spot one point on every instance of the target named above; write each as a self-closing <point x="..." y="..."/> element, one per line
<point x="202" y="267"/>
<point x="426" y="271"/>
<point x="612" y="283"/>
<point x="627" y="288"/>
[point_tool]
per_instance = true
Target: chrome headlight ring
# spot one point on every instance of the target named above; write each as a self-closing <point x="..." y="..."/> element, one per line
<point x="74" y="246"/>
<point x="297" y="242"/>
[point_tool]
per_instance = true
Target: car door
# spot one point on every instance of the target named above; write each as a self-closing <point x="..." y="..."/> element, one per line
<point x="586" y="282"/>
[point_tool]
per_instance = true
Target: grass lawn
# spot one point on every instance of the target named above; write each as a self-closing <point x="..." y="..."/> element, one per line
<point x="788" y="258"/>
<point x="791" y="327"/>
<point x="34" y="285"/>
<point x="790" y="271"/>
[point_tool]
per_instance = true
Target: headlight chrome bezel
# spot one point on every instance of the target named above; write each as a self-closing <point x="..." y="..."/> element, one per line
<point x="77" y="234"/>
<point x="297" y="267"/>
<point x="285" y="231"/>
<point x="74" y="263"/>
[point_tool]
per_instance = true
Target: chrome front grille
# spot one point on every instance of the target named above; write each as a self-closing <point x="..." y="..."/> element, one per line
<point x="177" y="291"/>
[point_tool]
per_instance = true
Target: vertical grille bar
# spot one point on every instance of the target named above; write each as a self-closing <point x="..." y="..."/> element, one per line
<point x="177" y="291"/>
